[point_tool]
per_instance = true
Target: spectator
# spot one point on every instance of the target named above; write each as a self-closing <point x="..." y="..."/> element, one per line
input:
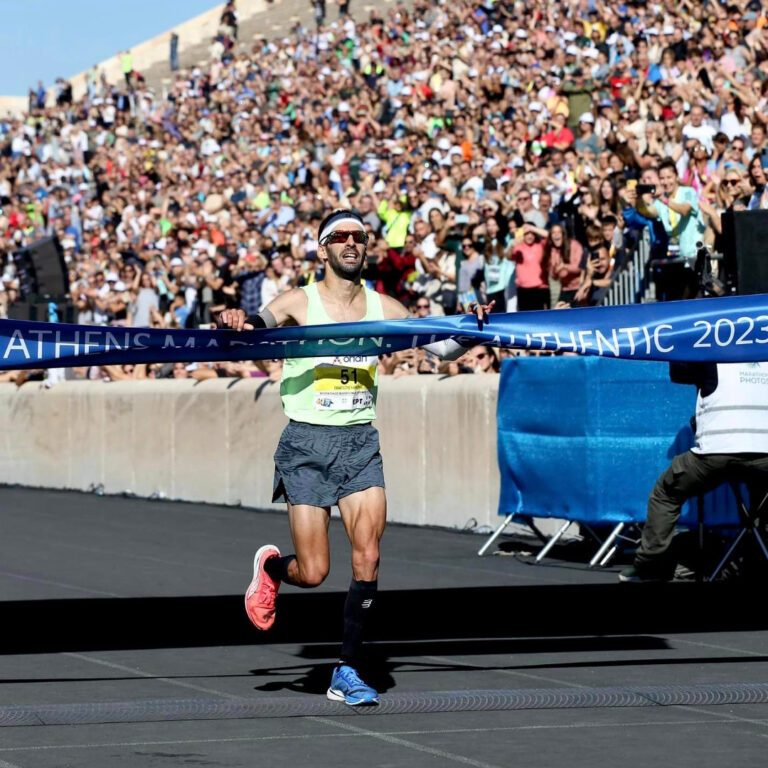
<point x="563" y="255"/>
<point x="530" y="275"/>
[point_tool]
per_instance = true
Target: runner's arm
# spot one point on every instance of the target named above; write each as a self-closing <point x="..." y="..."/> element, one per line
<point x="447" y="349"/>
<point x="288" y="308"/>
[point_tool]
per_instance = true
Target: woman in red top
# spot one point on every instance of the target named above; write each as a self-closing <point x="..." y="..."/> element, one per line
<point x="562" y="256"/>
<point x="530" y="275"/>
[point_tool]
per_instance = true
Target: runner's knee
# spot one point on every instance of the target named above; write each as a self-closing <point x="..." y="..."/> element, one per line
<point x="365" y="559"/>
<point x="313" y="574"/>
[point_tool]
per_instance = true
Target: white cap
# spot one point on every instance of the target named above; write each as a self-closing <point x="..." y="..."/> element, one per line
<point x="489" y="163"/>
<point x="521" y="33"/>
<point x="590" y="53"/>
<point x="112" y="277"/>
<point x="497" y="29"/>
<point x="343" y="106"/>
<point x="569" y="37"/>
<point x="668" y="30"/>
<point x="587" y="117"/>
<point x="119" y="285"/>
<point x="176" y="262"/>
<point x="572" y="50"/>
<point x="443" y="144"/>
<point x="535" y="106"/>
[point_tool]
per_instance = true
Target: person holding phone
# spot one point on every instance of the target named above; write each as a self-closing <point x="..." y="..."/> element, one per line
<point x="677" y="207"/>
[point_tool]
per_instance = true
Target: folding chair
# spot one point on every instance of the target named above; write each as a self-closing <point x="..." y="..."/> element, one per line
<point x="748" y="515"/>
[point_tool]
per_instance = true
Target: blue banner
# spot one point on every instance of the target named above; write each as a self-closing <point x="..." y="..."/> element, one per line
<point x="733" y="329"/>
<point x="585" y="439"/>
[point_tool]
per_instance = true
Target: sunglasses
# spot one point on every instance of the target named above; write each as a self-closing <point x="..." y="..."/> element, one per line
<point x="422" y="306"/>
<point x="730" y="182"/>
<point x="340" y="236"/>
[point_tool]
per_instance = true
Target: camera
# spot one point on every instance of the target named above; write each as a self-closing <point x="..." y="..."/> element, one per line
<point x="646" y="189"/>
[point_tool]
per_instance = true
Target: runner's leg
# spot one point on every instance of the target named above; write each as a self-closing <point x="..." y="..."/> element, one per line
<point x="364" y="515"/>
<point x="309" y="529"/>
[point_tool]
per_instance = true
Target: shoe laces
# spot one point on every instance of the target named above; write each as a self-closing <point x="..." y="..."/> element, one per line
<point x="267" y="591"/>
<point x="351" y="677"/>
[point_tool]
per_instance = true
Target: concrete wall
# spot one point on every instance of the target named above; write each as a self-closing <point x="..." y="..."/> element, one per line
<point x="213" y="441"/>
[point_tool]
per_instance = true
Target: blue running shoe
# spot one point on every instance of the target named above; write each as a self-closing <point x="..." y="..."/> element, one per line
<point x="347" y="686"/>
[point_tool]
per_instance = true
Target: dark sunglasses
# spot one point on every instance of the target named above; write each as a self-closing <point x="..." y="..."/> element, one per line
<point x="422" y="306"/>
<point x="340" y="236"/>
<point x="730" y="182"/>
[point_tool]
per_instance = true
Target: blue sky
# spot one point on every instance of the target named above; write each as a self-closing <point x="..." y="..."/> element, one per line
<point x="44" y="39"/>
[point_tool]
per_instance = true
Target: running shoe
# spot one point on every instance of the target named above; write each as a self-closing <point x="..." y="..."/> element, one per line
<point x="347" y="686"/>
<point x="635" y="575"/>
<point x="262" y="591"/>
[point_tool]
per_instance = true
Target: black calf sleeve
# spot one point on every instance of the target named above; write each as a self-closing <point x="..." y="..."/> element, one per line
<point x="277" y="568"/>
<point x="358" y="609"/>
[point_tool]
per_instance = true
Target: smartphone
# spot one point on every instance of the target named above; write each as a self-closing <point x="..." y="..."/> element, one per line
<point x="646" y="189"/>
<point x="462" y="218"/>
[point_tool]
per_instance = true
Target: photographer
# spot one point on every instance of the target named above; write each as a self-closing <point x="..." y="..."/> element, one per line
<point x="731" y="443"/>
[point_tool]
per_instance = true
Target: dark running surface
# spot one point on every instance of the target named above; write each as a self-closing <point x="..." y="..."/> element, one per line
<point x="125" y="617"/>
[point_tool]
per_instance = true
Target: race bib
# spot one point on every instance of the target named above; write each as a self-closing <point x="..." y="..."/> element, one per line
<point x="344" y="382"/>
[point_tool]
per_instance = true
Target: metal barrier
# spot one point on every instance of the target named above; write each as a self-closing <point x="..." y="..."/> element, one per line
<point x="633" y="285"/>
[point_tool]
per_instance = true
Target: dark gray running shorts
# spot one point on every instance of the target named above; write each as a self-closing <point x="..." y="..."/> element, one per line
<point x="318" y="465"/>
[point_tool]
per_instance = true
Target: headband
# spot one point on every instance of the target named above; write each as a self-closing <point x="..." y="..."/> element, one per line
<point x="339" y="220"/>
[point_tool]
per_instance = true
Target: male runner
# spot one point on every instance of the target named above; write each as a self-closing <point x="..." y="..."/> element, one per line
<point x="329" y="452"/>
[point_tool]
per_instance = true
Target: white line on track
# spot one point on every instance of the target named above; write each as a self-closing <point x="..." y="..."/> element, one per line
<point x="37" y="580"/>
<point x="431" y="732"/>
<point x="716" y="647"/>
<point x="142" y="673"/>
<point x="390" y="739"/>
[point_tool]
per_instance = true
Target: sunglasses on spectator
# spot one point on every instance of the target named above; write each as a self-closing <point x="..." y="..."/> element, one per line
<point x="422" y="306"/>
<point x="340" y="236"/>
<point x="467" y="245"/>
<point x="738" y="147"/>
<point x="730" y="182"/>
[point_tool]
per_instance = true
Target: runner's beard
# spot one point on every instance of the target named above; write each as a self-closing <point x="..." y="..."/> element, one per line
<point x="346" y="270"/>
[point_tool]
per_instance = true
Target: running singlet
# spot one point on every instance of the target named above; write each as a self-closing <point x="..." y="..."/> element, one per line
<point x="336" y="390"/>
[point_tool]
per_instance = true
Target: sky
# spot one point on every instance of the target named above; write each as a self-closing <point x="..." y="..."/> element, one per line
<point x="45" y="39"/>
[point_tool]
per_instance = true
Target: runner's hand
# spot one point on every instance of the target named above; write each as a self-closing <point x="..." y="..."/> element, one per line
<point x="234" y="319"/>
<point x="481" y="310"/>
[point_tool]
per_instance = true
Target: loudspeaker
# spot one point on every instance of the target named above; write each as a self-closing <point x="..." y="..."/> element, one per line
<point x="39" y="310"/>
<point x="745" y="238"/>
<point x="42" y="269"/>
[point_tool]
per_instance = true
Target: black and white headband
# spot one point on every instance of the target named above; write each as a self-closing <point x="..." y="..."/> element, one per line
<point x="339" y="220"/>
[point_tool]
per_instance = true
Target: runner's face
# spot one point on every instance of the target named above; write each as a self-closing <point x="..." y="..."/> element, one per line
<point x="346" y="259"/>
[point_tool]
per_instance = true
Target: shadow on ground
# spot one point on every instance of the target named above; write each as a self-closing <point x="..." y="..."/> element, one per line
<point x="53" y="626"/>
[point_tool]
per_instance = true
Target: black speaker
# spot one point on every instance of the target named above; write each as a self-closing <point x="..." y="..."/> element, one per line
<point x="745" y="239"/>
<point x="41" y="268"/>
<point x="40" y="310"/>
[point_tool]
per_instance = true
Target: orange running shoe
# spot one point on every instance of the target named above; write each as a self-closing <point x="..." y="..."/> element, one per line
<point x="262" y="591"/>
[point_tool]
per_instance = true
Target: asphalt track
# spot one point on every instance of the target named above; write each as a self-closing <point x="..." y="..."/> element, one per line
<point x="123" y="642"/>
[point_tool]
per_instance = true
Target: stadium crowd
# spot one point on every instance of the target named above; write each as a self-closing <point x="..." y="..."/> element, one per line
<point x="514" y="151"/>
